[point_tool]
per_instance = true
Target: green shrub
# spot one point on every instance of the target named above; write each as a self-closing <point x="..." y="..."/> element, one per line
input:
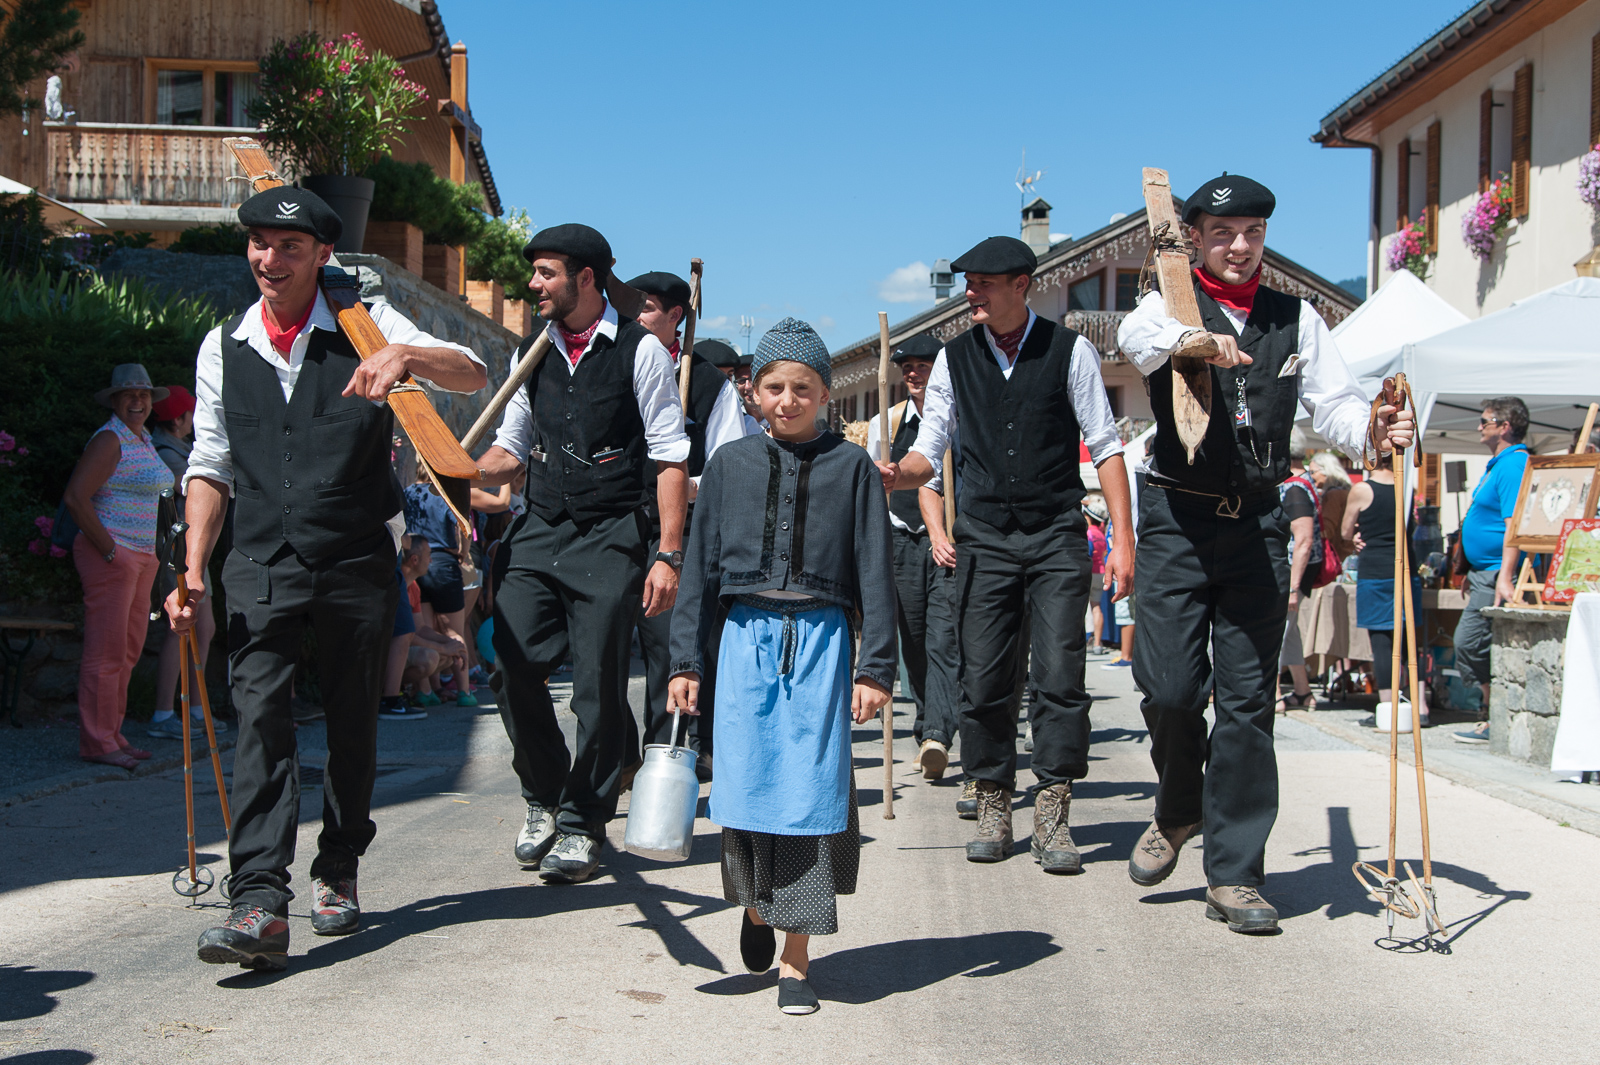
<point x="446" y="213"/>
<point x="497" y="254"/>
<point x="212" y="240"/>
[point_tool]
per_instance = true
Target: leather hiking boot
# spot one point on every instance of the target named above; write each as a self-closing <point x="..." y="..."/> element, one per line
<point x="967" y="805"/>
<point x="1156" y="854"/>
<point x="1243" y="908"/>
<point x="1052" y="845"/>
<point x="537" y="836"/>
<point x="336" y="911"/>
<point x="251" y="937"/>
<point x="932" y="759"/>
<point x="572" y="860"/>
<point x="993" y="842"/>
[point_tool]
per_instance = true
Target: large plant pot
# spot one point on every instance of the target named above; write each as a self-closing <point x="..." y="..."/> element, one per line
<point x="351" y="199"/>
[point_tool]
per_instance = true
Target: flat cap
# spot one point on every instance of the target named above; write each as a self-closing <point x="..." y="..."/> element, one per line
<point x="1230" y="196"/>
<point x="921" y="346"/>
<point x="792" y="340"/>
<point x="287" y="207"/>
<point x="670" y="289"/>
<point x="580" y="242"/>
<point x="716" y="353"/>
<point x="997" y="255"/>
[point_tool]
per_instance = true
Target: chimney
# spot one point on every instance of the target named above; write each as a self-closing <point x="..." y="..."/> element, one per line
<point x="1036" y="225"/>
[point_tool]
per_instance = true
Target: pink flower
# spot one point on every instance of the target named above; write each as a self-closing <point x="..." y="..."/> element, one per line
<point x="22" y="451"/>
<point x="38" y="547"/>
<point x="57" y="552"/>
<point x="45" y="524"/>
<point x="7" y="441"/>
<point x="344" y="67"/>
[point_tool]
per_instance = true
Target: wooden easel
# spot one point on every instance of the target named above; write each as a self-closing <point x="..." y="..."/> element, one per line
<point x="1527" y="585"/>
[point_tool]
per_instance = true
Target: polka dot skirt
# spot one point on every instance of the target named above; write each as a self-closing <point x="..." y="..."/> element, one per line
<point x="791" y="881"/>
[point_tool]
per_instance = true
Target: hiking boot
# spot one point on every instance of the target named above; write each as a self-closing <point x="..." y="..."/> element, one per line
<point x="250" y="937"/>
<point x="932" y="759"/>
<point x="572" y="860"/>
<point x="1243" y="908"/>
<point x="336" y="911"/>
<point x="628" y="773"/>
<point x="967" y="805"/>
<point x="993" y="842"/>
<point x="1052" y="845"/>
<point x="1156" y="854"/>
<point x="537" y="836"/>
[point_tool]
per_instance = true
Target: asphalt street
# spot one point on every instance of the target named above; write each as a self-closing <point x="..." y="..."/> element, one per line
<point x="465" y="958"/>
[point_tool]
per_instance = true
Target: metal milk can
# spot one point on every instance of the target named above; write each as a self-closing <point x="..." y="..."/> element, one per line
<point x="665" y="795"/>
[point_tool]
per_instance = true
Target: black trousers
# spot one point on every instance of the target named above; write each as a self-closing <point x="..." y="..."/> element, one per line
<point x="655" y="638"/>
<point x="1213" y="595"/>
<point x="349" y="606"/>
<point x="926" y="615"/>
<point x="569" y="588"/>
<point x="1008" y="579"/>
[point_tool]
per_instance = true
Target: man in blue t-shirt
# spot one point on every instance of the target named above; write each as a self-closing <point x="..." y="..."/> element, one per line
<point x="1492" y="559"/>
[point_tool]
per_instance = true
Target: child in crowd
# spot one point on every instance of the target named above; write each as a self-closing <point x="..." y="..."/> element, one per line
<point x="792" y="531"/>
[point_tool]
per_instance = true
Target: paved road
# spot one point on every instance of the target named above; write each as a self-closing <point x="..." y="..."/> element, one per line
<point x="466" y="958"/>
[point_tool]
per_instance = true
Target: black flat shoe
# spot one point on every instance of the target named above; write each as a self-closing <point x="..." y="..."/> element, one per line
<point x="795" y="997"/>
<point x="757" y="944"/>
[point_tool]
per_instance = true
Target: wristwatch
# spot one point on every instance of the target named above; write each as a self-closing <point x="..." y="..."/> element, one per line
<point x="671" y="558"/>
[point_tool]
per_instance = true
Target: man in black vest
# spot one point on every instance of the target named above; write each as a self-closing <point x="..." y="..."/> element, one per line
<point x="925" y="591"/>
<point x="1023" y="390"/>
<point x="577" y="566"/>
<point x="715" y="417"/>
<point x="1213" y="555"/>
<point x="291" y="422"/>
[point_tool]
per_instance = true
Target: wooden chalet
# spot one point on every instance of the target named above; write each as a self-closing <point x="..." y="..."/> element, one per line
<point x="1090" y="285"/>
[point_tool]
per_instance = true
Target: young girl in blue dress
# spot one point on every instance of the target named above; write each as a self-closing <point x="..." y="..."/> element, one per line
<point x="791" y="534"/>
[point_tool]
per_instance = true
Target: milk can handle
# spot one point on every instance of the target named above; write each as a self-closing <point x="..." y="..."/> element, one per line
<point x="677" y="716"/>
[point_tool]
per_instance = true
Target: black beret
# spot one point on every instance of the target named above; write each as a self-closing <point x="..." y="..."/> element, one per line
<point x="580" y="242"/>
<point x="747" y="360"/>
<point x="921" y="346"/>
<point x="670" y="289"/>
<point x="997" y="255"/>
<point x="287" y="207"/>
<point x="1230" y="196"/>
<point x="717" y="353"/>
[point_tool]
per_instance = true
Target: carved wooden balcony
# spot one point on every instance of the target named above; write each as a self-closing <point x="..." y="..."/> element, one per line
<point x="119" y="163"/>
<point x="1100" y="328"/>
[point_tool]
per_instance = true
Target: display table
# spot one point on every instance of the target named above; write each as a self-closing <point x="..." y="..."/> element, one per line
<point x="1577" y="743"/>
<point x="1328" y="627"/>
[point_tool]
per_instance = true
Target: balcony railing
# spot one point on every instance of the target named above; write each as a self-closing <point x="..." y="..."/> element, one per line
<point x="104" y="162"/>
<point x="1100" y="328"/>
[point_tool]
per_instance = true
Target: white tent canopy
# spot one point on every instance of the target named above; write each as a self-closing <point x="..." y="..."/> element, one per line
<point x="55" y="212"/>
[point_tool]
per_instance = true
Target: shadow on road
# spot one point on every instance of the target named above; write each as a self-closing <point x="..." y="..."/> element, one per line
<point x="49" y="1057"/>
<point x="868" y="974"/>
<point x="28" y="992"/>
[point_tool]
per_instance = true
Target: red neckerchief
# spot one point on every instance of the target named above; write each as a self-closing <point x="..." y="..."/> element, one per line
<point x="1239" y="297"/>
<point x="283" y="339"/>
<point x="1011" y="342"/>
<point x="577" y="342"/>
<point x="675" y="349"/>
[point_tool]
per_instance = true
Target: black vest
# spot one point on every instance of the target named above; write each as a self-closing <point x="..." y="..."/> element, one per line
<point x="313" y="473"/>
<point x="1232" y="460"/>
<point x="903" y="504"/>
<point x="1019" y="436"/>
<point x="705" y="384"/>
<point x="589" y="450"/>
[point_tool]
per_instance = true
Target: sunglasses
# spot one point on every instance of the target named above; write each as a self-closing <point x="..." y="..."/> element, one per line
<point x="1482" y="422"/>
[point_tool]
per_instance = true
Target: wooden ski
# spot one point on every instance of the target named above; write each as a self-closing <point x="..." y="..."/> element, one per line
<point x="691" y="314"/>
<point x="1191" y="376"/>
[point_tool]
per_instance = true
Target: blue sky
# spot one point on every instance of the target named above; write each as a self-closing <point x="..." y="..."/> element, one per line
<point x="808" y="152"/>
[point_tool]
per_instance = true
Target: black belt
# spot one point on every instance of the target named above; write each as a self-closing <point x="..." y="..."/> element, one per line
<point x="1228" y="506"/>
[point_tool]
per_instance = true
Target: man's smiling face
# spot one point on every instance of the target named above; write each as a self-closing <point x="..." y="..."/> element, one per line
<point x="285" y="263"/>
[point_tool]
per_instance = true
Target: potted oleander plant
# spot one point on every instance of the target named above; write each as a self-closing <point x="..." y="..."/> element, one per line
<point x="327" y="110"/>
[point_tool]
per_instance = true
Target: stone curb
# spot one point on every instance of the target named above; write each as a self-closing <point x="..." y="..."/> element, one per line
<point x="1559" y="812"/>
<point x="78" y="778"/>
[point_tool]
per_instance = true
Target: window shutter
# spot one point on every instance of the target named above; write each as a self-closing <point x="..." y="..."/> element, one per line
<point x="1594" y="90"/>
<point x="1431" y="208"/>
<point x="1402" y="186"/>
<point x="1521" y="140"/>
<point x="1486" y="137"/>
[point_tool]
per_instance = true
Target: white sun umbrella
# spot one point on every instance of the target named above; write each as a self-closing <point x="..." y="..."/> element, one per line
<point x="55" y="212"/>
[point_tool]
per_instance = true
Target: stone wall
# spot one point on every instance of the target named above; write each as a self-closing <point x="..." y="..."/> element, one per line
<point x="1525" y="663"/>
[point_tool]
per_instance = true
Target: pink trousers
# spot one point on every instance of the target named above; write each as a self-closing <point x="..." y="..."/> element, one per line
<point x="116" y="616"/>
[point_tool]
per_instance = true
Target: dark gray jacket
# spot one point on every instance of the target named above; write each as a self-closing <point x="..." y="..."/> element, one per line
<point x="808" y="518"/>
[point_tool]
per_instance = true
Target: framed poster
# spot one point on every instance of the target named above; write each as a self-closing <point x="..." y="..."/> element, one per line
<point x="1576" y="565"/>
<point x="1555" y="489"/>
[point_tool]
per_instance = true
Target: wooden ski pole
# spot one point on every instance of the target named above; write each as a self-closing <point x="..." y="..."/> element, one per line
<point x="884" y="444"/>
<point x="189" y="653"/>
<point x="188" y="754"/>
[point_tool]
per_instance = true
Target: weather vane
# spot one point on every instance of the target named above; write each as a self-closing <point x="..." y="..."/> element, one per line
<point x="1025" y="181"/>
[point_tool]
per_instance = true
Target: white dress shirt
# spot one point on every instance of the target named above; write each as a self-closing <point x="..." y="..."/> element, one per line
<point x="726" y="422"/>
<point x="910" y="417"/>
<point x="655" y="388"/>
<point x="1339" y="409"/>
<point x="1089" y="402"/>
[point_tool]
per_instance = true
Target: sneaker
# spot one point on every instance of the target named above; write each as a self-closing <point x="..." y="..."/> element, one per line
<point x="336" y="911"/>
<point x="758" y="944"/>
<point x="218" y="725"/>
<point x="466" y="699"/>
<point x="537" y="836"/>
<point x="428" y="699"/>
<point x="394" y="708"/>
<point x="796" y="998"/>
<point x="572" y="860"/>
<point x="967" y="804"/>
<point x="170" y="729"/>
<point x="1121" y="663"/>
<point x="993" y="842"/>
<point x="478" y="677"/>
<point x="1480" y="734"/>
<point x="932" y="759"/>
<point x="1052" y="845"/>
<point x="1243" y="908"/>
<point x="250" y="937"/>
<point x="1156" y="854"/>
<point x="1099" y="651"/>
